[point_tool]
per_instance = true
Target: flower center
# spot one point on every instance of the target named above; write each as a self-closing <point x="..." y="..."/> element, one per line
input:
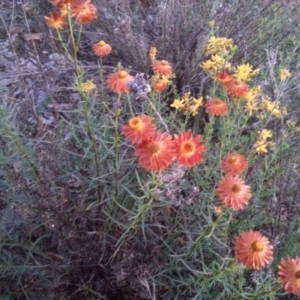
<point x="257" y="246"/>
<point x="218" y="101"/>
<point x="236" y="188"/>
<point x="135" y="123"/>
<point x="102" y="43"/>
<point x="297" y="274"/>
<point x="153" y="148"/>
<point x="122" y="74"/>
<point x="188" y="148"/>
<point x="164" y="62"/>
<point x="232" y="160"/>
<point x="84" y="9"/>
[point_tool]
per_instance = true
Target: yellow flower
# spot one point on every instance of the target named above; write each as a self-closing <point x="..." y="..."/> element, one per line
<point x="193" y="109"/>
<point x="245" y="73"/>
<point x="198" y="102"/>
<point x="261" y="147"/>
<point x="291" y="123"/>
<point x="178" y="104"/>
<point x="264" y="134"/>
<point x="87" y="86"/>
<point x="253" y="93"/>
<point x="284" y="74"/>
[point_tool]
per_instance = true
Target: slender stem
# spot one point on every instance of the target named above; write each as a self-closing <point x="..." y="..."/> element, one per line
<point x="92" y="139"/>
<point x="74" y="43"/>
<point x="117" y="145"/>
<point x="159" y="116"/>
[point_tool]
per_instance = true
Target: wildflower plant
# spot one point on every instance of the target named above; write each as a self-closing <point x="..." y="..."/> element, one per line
<point x="156" y="191"/>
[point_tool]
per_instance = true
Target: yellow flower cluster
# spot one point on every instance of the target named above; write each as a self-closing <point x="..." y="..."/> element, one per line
<point x="273" y="107"/>
<point x="188" y="104"/>
<point x="216" y="64"/>
<point x="265" y="106"/>
<point x="245" y="72"/>
<point x="87" y="86"/>
<point x="262" y="143"/>
<point x="220" y="50"/>
<point x="293" y="125"/>
<point x="221" y="46"/>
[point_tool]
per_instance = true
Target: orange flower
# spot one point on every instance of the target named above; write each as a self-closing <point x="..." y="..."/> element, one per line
<point x="289" y="275"/>
<point x="189" y="149"/>
<point x="160" y="85"/>
<point x="101" y="48"/>
<point x="233" y="192"/>
<point x="138" y="129"/>
<point x="253" y="250"/>
<point x="162" y="67"/>
<point x="223" y="77"/>
<point x="216" y="107"/>
<point x="234" y="164"/>
<point x="56" y="21"/>
<point x="84" y="11"/>
<point x="118" y="81"/>
<point x="237" y="88"/>
<point x="157" y="153"/>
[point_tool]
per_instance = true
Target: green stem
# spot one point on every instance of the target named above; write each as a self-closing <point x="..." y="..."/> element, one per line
<point x="92" y="139"/>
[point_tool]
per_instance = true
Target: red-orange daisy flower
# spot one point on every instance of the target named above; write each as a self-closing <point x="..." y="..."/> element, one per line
<point x="138" y="129"/>
<point x="101" y="48"/>
<point x="84" y="11"/>
<point x="56" y="21"/>
<point x="162" y="67"/>
<point x="234" y="163"/>
<point x="253" y="250"/>
<point x="223" y="77"/>
<point x="189" y="149"/>
<point x="233" y="192"/>
<point x="157" y="153"/>
<point x="289" y="275"/>
<point x="236" y="88"/>
<point x="216" y="107"/>
<point x="118" y="82"/>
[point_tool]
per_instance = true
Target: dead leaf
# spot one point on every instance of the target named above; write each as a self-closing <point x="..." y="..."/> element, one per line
<point x="34" y="36"/>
